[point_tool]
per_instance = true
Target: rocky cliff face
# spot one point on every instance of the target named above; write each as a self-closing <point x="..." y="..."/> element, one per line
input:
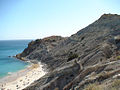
<point x="91" y="55"/>
<point x="38" y="49"/>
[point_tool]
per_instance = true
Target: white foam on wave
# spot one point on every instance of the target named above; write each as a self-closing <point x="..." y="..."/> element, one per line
<point x="9" y="73"/>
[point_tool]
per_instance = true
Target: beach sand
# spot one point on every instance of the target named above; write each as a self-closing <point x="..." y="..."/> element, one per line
<point x="23" y="78"/>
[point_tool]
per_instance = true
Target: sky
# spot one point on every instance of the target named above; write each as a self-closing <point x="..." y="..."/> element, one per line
<point x="35" y="19"/>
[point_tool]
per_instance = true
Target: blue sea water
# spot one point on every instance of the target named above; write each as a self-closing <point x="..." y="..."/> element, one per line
<point x="11" y="48"/>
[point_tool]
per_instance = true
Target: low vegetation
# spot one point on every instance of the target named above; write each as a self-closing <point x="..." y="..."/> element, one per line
<point x="93" y="87"/>
<point x="115" y="85"/>
<point x="118" y="58"/>
<point x="72" y="56"/>
<point x="34" y="66"/>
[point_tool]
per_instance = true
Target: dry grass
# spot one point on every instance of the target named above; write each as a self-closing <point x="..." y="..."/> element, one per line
<point x="56" y="88"/>
<point x="115" y="85"/>
<point x="34" y="66"/>
<point x="93" y="87"/>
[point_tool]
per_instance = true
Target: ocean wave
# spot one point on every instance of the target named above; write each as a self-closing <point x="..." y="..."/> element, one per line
<point x="9" y="73"/>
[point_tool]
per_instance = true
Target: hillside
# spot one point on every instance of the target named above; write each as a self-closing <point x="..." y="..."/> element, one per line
<point x="88" y="59"/>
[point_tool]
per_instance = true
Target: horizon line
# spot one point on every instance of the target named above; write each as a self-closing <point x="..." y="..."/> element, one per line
<point x="14" y="39"/>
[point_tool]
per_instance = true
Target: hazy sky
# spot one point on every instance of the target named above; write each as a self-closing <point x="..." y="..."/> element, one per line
<point x="32" y="19"/>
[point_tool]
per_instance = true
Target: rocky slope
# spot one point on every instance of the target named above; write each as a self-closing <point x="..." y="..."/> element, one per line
<point x="87" y="59"/>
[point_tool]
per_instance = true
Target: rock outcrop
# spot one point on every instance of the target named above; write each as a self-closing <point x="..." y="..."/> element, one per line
<point x="89" y="56"/>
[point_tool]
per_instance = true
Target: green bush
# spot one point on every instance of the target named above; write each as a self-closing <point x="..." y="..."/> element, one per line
<point x="118" y="58"/>
<point x="72" y="56"/>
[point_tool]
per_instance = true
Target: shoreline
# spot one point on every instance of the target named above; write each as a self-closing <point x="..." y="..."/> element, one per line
<point x="23" y="78"/>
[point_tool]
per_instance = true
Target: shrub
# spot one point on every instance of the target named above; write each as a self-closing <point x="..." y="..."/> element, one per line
<point x="56" y="88"/>
<point x="116" y="84"/>
<point x="118" y="58"/>
<point x="93" y="87"/>
<point x="72" y="56"/>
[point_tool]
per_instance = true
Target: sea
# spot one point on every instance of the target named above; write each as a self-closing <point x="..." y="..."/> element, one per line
<point x="9" y="64"/>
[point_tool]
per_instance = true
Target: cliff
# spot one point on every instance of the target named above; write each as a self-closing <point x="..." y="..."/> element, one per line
<point x="89" y="57"/>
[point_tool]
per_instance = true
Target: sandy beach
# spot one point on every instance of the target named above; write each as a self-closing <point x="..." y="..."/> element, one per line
<point x="23" y="78"/>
